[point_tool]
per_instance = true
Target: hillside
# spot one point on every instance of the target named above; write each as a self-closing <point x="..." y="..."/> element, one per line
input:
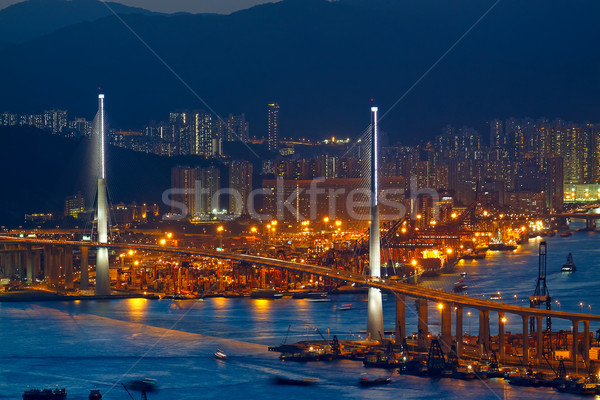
<point x="323" y="61"/>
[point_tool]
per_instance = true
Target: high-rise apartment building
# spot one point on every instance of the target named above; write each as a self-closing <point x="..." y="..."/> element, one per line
<point x="240" y="184"/>
<point x="183" y="180"/>
<point x="74" y="205"/>
<point x="273" y="126"/>
<point x="207" y="185"/>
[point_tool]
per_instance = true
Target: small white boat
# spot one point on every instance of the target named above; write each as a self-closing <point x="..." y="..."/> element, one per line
<point x="345" y="307"/>
<point x="220" y="355"/>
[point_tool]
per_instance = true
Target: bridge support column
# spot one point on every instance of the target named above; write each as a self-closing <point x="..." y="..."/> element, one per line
<point x="540" y="339"/>
<point x="525" y="339"/>
<point x="586" y="342"/>
<point x="37" y="264"/>
<point x="102" y="272"/>
<point x="446" y="328"/>
<point x="423" y="325"/>
<point x="8" y="264"/>
<point x="484" y="332"/>
<point x="501" y="336"/>
<point x="459" y="331"/>
<point x="400" y="318"/>
<point x="18" y="265"/>
<point x="68" y="267"/>
<point x="84" y="278"/>
<point x="575" y="346"/>
<point x="52" y="266"/>
<point x="29" y="265"/>
<point x="47" y="263"/>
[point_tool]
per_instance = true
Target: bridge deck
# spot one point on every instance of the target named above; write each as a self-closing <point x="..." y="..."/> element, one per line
<point x="413" y="291"/>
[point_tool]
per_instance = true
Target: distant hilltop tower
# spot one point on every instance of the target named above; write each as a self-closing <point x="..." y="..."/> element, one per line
<point x="273" y="121"/>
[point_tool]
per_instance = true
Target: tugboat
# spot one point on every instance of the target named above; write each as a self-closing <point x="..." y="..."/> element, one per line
<point x="460" y="286"/>
<point x="266" y="294"/>
<point x="282" y="380"/>
<point x="45" y="394"/>
<point x="574" y="386"/>
<point x="566" y="233"/>
<point x="569" y="266"/>
<point x="95" y="395"/>
<point x="477" y="254"/>
<point x="368" y="382"/>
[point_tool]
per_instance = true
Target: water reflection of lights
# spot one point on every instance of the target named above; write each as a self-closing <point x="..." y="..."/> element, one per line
<point x="262" y="309"/>
<point x="219" y="302"/>
<point x="137" y="307"/>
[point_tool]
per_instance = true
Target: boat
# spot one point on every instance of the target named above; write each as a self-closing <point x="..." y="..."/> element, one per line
<point x="380" y="360"/>
<point x="577" y="387"/>
<point x="266" y="294"/>
<point x="449" y="265"/>
<point x="45" y="394"/>
<point x="463" y="372"/>
<point x="368" y="382"/>
<point x="498" y="244"/>
<point x="474" y="255"/>
<point x="345" y="307"/>
<point x="220" y="354"/>
<point x="95" y="395"/>
<point x="143" y="385"/>
<point x="281" y="380"/>
<point x="459" y="287"/>
<point x="502" y="247"/>
<point x="304" y="351"/>
<point x="312" y="296"/>
<point x="430" y="266"/>
<point x="569" y="266"/>
<point x="524" y="380"/>
<point x="566" y="233"/>
<point x="523" y="239"/>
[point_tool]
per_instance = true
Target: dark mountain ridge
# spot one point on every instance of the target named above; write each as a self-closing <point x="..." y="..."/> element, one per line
<point x="323" y="61"/>
<point x="31" y="19"/>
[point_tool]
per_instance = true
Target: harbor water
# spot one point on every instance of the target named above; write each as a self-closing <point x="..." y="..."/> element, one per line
<point x="83" y="345"/>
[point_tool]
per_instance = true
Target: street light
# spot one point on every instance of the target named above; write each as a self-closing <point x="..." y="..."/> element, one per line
<point x="581" y="305"/>
<point x="516" y="299"/>
<point x="440" y="307"/>
<point x="469" y="314"/>
<point x="220" y="230"/>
